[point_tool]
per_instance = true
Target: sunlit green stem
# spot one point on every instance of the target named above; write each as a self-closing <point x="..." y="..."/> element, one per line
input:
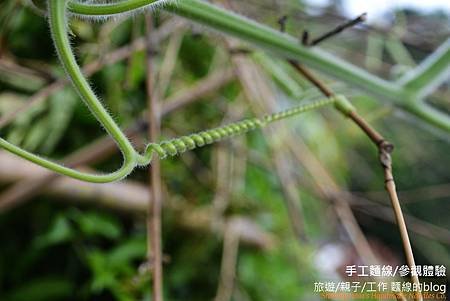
<point x="405" y="94"/>
<point x="58" y="23"/>
<point x="266" y="37"/>
<point x="417" y="83"/>
<point x="112" y="8"/>
<point x="432" y="72"/>
<point x="429" y="114"/>
<point x="57" y="17"/>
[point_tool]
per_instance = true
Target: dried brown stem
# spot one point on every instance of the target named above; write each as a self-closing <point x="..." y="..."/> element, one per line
<point x="228" y="265"/>
<point x="385" y="149"/>
<point x="130" y="197"/>
<point x="338" y="29"/>
<point x="206" y="86"/>
<point x="155" y="200"/>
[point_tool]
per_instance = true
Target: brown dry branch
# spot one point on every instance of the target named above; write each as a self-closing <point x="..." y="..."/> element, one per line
<point x="337" y="30"/>
<point x="229" y="260"/>
<point x="385" y="149"/>
<point x="327" y="186"/>
<point x="155" y="183"/>
<point x="342" y="208"/>
<point x="129" y="197"/>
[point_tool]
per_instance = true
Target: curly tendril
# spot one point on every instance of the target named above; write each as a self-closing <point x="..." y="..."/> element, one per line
<point x="186" y="143"/>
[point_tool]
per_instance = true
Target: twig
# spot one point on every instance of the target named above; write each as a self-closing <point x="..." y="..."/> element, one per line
<point x="228" y="266"/>
<point x="339" y="29"/>
<point x="282" y="22"/>
<point x="155" y="201"/>
<point x="203" y="87"/>
<point x="385" y="149"/>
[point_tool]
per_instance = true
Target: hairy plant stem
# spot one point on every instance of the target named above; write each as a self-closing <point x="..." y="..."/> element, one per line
<point x="426" y="75"/>
<point x="404" y="93"/>
<point x="58" y="25"/>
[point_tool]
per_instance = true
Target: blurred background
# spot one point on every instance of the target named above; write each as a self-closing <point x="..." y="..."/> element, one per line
<point x="251" y="218"/>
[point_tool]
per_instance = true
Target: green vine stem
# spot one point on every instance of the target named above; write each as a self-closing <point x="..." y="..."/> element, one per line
<point x="432" y="72"/>
<point x="403" y="93"/>
<point x="58" y="25"/>
<point x="113" y="8"/>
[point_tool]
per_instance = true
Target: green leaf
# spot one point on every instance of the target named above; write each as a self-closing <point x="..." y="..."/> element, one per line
<point x="45" y="289"/>
<point x="128" y="251"/>
<point x="97" y="224"/>
<point x="103" y="276"/>
<point x="62" y="107"/>
<point x="59" y="232"/>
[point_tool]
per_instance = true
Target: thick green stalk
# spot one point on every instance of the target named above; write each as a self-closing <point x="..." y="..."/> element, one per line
<point x="432" y="72"/>
<point x="402" y="93"/>
<point x="425" y="76"/>
<point x="429" y="114"/>
<point x="265" y="37"/>
<point x="110" y="9"/>
<point x="58" y="23"/>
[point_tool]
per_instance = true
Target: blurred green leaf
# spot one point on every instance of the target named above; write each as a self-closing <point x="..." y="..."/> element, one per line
<point x="60" y="231"/>
<point x="97" y="224"/>
<point x="43" y="289"/>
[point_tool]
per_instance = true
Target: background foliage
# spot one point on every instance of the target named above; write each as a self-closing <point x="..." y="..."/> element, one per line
<point x="60" y="246"/>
